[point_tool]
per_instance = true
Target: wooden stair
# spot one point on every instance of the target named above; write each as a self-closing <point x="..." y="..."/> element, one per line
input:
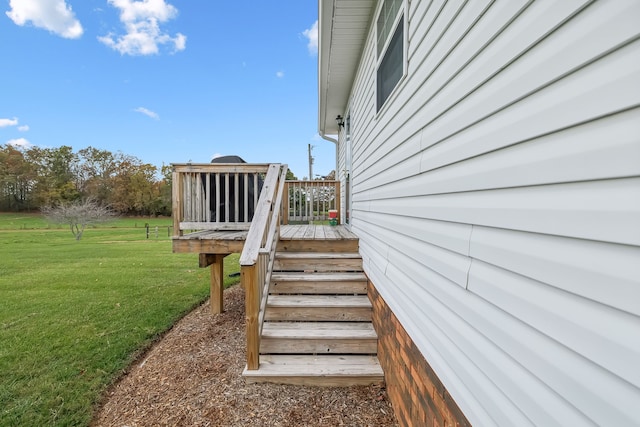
<point x="318" y="328"/>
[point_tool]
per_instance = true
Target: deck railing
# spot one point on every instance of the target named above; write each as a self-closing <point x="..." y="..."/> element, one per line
<point x="215" y="196"/>
<point x="258" y="254"/>
<point x="307" y="201"/>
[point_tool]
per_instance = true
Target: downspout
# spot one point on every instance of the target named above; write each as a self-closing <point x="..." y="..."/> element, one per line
<point x="335" y="141"/>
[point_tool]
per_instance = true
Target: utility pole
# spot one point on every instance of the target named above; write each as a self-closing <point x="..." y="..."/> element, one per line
<point x="310" y="163"/>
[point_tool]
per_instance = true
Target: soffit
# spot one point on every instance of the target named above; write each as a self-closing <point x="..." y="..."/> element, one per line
<point x="343" y="27"/>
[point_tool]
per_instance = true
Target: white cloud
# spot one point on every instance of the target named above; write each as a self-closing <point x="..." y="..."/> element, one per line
<point x="19" y="142"/>
<point x="53" y="15"/>
<point x="312" y="35"/>
<point x="147" y="113"/>
<point x="23" y="128"/>
<point x="141" y="20"/>
<point x="8" y="122"/>
<point x="280" y="74"/>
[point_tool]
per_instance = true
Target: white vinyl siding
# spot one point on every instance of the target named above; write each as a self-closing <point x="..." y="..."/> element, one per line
<point x="497" y="201"/>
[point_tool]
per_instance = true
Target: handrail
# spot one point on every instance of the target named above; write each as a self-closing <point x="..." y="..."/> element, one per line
<point x="273" y="236"/>
<point x="258" y="254"/>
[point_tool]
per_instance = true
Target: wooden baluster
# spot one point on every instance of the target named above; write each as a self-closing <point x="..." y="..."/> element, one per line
<point x="246" y="196"/>
<point x="236" y="198"/>
<point x="207" y="197"/>
<point x="226" y="197"/>
<point x="256" y="192"/>
<point x="217" y="197"/>
<point x="285" y="203"/>
<point x="198" y="198"/>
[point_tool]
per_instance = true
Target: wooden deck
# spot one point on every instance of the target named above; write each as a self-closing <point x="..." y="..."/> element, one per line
<point x="210" y="242"/>
<point x="213" y="245"/>
<point x="317" y="326"/>
<point x="228" y="242"/>
<point x="317" y="238"/>
<point x="315" y="232"/>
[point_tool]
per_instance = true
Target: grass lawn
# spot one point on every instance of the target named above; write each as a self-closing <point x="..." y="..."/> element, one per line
<point x="74" y="314"/>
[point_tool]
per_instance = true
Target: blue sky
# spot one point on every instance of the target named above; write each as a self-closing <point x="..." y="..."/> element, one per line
<point x="168" y="81"/>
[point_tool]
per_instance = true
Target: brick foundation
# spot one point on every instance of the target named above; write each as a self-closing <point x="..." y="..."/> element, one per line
<point x="418" y="397"/>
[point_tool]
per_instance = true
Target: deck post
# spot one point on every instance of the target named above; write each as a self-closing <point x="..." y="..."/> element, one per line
<point x="249" y="275"/>
<point x="217" y="284"/>
<point x="216" y="261"/>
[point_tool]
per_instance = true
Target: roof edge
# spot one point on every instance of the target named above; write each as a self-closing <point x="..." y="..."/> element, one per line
<point x="343" y="28"/>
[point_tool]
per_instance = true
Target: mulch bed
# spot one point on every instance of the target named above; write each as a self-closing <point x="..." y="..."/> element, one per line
<point x="193" y="377"/>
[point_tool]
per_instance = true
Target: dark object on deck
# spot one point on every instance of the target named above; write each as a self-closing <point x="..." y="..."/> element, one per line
<point x="228" y="159"/>
<point x="244" y="180"/>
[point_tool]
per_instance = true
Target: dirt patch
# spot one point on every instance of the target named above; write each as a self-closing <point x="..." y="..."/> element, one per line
<point x="193" y="377"/>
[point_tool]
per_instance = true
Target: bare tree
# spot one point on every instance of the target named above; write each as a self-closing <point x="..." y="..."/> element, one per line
<point x="78" y="215"/>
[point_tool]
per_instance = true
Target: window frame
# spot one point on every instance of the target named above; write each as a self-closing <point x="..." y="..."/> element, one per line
<point x="401" y="16"/>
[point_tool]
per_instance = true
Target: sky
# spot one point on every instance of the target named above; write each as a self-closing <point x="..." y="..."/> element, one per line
<point x="167" y="81"/>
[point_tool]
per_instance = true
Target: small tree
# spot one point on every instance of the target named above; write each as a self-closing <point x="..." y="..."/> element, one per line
<point x="78" y="215"/>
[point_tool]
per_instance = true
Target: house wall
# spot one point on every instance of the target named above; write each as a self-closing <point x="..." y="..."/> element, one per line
<point x="419" y="397"/>
<point x="497" y="199"/>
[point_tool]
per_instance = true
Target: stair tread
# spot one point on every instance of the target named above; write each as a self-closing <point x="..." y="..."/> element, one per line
<point x="318" y="255"/>
<point x="319" y="276"/>
<point x="316" y="366"/>
<point x="318" y="301"/>
<point x="318" y="330"/>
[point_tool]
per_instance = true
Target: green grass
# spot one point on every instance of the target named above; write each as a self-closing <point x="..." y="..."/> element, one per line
<point x="30" y="221"/>
<point x="74" y="314"/>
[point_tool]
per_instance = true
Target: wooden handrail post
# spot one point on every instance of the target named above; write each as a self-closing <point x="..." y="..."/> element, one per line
<point x="285" y="209"/>
<point x="176" y="211"/>
<point x="249" y="277"/>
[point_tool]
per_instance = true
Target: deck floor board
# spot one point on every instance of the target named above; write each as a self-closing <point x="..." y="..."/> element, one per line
<point x="230" y="241"/>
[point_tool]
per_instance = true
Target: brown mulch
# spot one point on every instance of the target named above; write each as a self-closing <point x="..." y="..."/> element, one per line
<point x="193" y="377"/>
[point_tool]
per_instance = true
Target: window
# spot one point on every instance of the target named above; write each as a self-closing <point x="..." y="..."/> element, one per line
<point x="390" y="48"/>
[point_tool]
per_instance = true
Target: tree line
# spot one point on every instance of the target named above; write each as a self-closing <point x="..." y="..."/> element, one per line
<point x="34" y="178"/>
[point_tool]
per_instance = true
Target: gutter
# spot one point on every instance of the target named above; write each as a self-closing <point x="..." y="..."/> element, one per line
<point x="327" y="138"/>
<point x="326" y="11"/>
